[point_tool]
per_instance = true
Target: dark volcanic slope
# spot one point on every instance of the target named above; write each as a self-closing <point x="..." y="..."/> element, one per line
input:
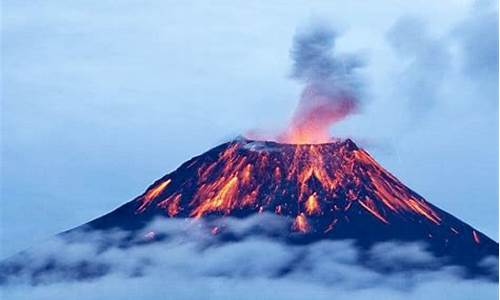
<point x="334" y="191"/>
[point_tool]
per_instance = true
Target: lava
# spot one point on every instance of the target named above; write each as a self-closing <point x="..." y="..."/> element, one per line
<point x="369" y="205"/>
<point x="300" y="224"/>
<point x="296" y="194"/>
<point x="330" y="226"/>
<point x="171" y="204"/>
<point x="312" y="206"/>
<point x="222" y="197"/>
<point x="153" y="193"/>
<point x="300" y="181"/>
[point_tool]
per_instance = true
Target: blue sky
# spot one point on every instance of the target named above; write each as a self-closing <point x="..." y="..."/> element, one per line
<point x="100" y="98"/>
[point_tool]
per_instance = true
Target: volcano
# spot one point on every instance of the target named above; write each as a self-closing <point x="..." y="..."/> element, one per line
<point x="329" y="191"/>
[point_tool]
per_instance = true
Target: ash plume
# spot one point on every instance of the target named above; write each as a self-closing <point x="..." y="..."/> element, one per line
<point x="332" y="85"/>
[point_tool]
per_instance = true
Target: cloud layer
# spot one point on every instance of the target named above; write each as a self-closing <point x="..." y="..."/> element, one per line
<point x="178" y="259"/>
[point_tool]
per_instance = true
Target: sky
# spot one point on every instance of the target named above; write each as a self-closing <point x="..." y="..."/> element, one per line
<point x="100" y="98"/>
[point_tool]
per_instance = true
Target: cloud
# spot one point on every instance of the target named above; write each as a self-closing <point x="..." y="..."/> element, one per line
<point x="477" y="36"/>
<point x="186" y="261"/>
<point x="426" y="59"/>
<point x="401" y="254"/>
<point x="433" y="64"/>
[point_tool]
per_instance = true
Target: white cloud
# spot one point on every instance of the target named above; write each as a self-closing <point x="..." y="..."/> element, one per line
<point x="191" y="263"/>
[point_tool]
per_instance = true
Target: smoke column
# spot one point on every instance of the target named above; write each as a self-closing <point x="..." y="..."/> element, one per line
<point x="331" y="89"/>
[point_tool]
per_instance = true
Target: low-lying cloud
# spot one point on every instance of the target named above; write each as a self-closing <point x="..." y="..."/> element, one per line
<point x="245" y="259"/>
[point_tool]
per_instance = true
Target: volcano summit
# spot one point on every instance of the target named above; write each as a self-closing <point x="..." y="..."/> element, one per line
<point x="330" y="191"/>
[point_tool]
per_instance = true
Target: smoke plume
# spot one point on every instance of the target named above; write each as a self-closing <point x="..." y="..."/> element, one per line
<point x="331" y="89"/>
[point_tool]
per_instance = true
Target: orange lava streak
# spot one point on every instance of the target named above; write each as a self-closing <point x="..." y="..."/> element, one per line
<point x="393" y="195"/>
<point x="224" y="200"/>
<point x="204" y="171"/>
<point x="307" y="162"/>
<point x="246" y="174"/>
<point x="423" y="210"/>
<point x="386" y="195"/>
<point x="300" y="224"/>
<point x="172" y="204"/>
<point x="330" y="227"/>
<point x="250" y="199"/>
<point x="312" y="206"/>
<point x="153" y="193"/>
<point x="370" y="206"/>
<point x="475" y="236"/>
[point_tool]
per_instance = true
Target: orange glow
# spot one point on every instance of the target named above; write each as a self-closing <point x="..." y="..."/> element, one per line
<point x="370" y="206"/>
<point x="314" y="116"/>
<point x="153" y="193"/>
<point x="330" y="226"/>
<point x="301" y="224"/>
<point x="246" y="174"/>
<point x="297" y="181"/>
<point x="312" y="206"/>
<point x="224" y="199"/>
<point x="172" y="204"/>
<point x="392" y="192"/>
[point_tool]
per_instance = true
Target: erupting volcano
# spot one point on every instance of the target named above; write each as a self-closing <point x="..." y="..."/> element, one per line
<point x="328" y="191"/>
<point x="325" y="189"/>
<point x="328" y="180"/>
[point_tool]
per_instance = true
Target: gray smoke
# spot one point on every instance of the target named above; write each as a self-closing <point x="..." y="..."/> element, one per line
<point x="332" y="84"/>
<point x="315" y="62"/>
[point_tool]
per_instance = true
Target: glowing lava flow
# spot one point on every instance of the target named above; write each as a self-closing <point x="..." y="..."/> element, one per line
<point x="300" y="224"/>
<point x="153" y="193"/>
<point x="301" y="181"/>
<point x="312" y="206"/>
